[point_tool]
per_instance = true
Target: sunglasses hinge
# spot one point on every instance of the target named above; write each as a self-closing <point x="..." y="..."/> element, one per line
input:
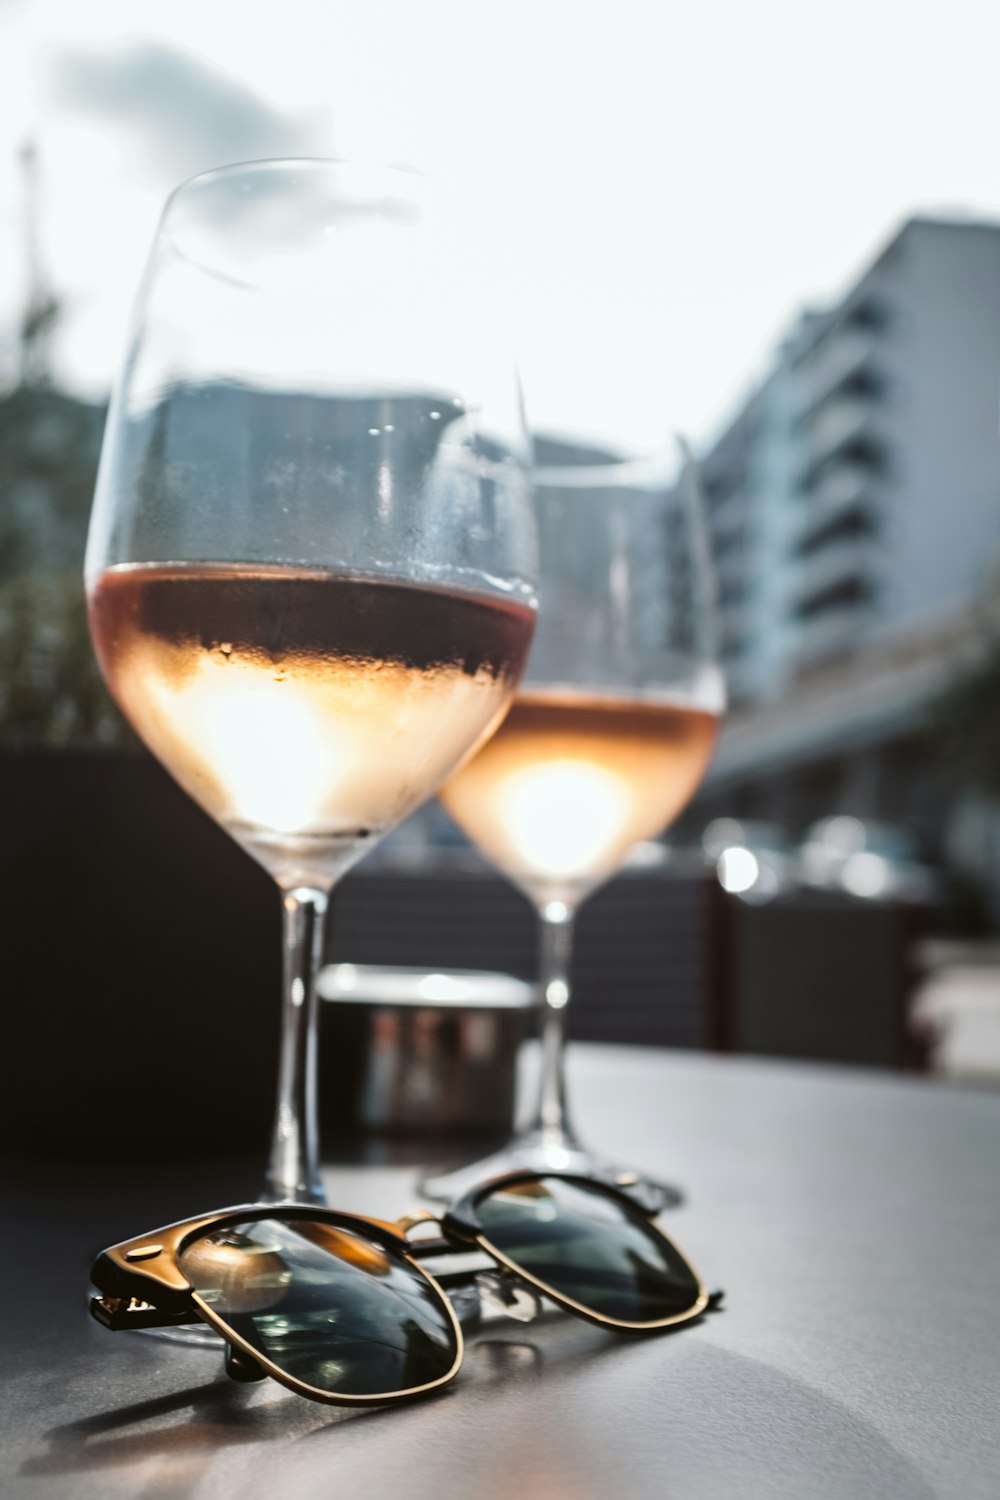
<point x="119" y="1313"/>
<point x="456" y="1226"/>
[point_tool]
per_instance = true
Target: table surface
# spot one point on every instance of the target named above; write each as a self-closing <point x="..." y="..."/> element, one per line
<point x="853" y="1219"/>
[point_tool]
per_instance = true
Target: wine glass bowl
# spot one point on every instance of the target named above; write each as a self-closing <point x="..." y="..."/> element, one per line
<point x="307" y="712"/>
<point x="311" y="561"/>
<point x="608" y="738"/>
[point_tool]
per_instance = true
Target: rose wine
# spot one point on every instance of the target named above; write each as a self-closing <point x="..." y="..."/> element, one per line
<point x="307" y="712"/>
<point x="571" y="781"/>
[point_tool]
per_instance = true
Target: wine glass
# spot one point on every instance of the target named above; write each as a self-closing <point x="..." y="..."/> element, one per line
<point x="311" y="562"/>
<point x="607" y="740"/>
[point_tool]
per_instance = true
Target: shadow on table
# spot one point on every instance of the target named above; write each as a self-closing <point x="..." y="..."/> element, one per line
<point x="725" y="1419"/>
<point x="221" y="1412"/>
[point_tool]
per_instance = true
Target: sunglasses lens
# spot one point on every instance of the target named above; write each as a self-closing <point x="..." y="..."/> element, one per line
<point x="327" y="1305"/>
<point x="591" y="1247"/>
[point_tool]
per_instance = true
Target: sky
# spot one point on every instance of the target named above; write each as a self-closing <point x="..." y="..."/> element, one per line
<point x="661" y="186"/>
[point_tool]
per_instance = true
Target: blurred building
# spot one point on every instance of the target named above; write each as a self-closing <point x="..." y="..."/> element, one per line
<point x="855" y="511"/>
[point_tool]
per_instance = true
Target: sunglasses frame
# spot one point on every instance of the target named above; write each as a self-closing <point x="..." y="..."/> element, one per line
<point x="145" y="1270"/>
<point x="461" y="1224"/>
<point x="143" y="1286"/>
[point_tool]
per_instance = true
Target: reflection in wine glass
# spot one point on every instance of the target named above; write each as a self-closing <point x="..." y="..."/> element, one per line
<point x="608" y="739"/>
<point x="310" y="567"/>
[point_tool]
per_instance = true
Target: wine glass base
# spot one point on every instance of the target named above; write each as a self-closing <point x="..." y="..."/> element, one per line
<point x="190" y="1335"/>
<point x="534" y="1153"/>
<point x="272" y="1197"/>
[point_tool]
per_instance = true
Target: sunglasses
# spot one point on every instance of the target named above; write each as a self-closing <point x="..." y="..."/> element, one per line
<point x="339" y="1308"/>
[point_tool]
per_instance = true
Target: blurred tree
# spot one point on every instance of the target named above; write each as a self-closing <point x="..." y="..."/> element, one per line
<point x="49" y="446"/>
<point x="51" y="692"/>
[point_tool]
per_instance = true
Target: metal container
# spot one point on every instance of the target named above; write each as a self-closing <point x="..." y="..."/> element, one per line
<point x="438" y="1050"/>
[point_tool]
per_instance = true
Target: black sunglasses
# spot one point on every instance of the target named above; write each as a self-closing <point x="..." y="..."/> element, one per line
<point x="339" y="1308"/>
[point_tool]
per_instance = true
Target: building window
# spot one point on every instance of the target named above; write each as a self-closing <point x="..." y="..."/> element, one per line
<point x="846" y="525"/>
<point x="869" y="313"/>
<point x="844" y="594"/>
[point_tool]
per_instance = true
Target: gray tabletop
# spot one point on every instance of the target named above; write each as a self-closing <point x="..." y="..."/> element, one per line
<point x="853" y="1220"/>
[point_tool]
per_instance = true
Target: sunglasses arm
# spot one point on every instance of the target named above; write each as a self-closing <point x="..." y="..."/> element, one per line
<point x="499" y="1289"/>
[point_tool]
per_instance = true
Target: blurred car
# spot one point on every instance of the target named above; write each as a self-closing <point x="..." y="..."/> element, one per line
<point x="870" y="860"/>
<point x="753" y="859"/>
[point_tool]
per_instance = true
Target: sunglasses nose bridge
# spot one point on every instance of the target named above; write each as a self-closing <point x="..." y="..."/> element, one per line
<point x="406" y="1222"/>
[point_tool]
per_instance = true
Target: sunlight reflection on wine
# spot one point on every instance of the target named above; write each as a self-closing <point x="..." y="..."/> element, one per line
<point x="563" y="816"/>
<point x="242" y="722"/>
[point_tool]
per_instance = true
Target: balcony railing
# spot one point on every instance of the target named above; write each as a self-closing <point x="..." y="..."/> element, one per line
<point x="840" y="489"/>
<point x="731" y="565"/>
<point x="841" y="355"/>
<point x="847" y="494"/>
<point x="833" y="631"/>
<point x="846" y="436"/>
<point x="839" y="570"/>
<point x="837" y="424"/>
<point x="728" y="521"/>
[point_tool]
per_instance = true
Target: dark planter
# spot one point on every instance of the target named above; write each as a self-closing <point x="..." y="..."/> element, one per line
<point x="141" y="964"/>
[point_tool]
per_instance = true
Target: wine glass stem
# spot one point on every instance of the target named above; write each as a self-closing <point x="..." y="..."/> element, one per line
<point x="551" y="1119"/>
<point x="293" y="1174"/>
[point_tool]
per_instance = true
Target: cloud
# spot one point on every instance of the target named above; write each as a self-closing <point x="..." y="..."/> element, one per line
<point x="183" y="115"/>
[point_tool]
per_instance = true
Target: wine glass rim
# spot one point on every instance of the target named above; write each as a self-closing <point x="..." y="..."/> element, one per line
<point x="404" y="184"/>
<point x="413" y="175"/>
<point x="661" y="466"/>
